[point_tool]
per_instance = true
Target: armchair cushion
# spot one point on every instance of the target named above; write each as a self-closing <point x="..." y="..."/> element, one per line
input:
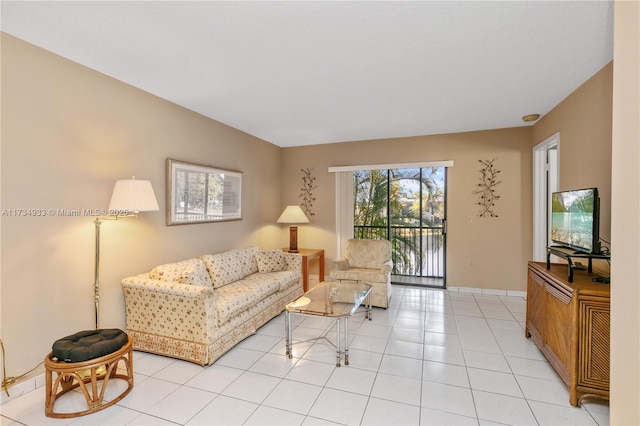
<point x="360" y="274"/>
<point x="367" y="254"/>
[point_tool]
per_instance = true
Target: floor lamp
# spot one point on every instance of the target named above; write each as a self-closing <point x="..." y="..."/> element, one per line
<point x="129" y="197"/>
<point x="293" y="214"/>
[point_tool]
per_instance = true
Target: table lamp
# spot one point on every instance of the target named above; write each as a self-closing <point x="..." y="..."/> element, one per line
<point x="293" y="214"/>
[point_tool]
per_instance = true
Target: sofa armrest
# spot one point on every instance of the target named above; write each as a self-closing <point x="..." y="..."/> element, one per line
<point x="340" y="265"/>
<point x="171" y="309"/>
<point x="294" y="261"/>
<point x="143" y="281"/>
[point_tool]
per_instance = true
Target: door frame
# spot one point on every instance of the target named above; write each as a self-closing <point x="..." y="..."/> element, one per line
<point x="546" y="180"/>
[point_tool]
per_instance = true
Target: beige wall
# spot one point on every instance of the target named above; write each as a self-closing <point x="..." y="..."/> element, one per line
<point x="68" y="133"/>
<point x="583" y="120"/>
<point x="625" y="212"/>
<point x="499" y="247"/>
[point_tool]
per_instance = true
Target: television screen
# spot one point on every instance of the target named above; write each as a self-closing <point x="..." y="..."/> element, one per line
<point x="575" y="219"/>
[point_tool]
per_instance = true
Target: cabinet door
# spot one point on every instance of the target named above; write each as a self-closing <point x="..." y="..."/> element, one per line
<point x="559" y="326"/>
<point x="535" y="307"/>
<point x="595" y="322"/>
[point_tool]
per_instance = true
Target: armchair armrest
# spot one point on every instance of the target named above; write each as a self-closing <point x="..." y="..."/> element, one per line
<point x="387" y="267"/>
<point x="340" y="265"/>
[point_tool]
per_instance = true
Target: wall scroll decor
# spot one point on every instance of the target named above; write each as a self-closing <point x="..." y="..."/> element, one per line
<point x="486" y="188"/>
<point x="306" y="192"/>
<point x="198" y="193"/>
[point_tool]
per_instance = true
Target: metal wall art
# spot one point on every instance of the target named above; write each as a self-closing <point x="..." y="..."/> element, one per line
<point x="486" y="188"/>
<point x="306" y="192"/>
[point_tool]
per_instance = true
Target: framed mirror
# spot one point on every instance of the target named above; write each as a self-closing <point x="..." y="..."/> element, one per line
<point x="199" y="194"/>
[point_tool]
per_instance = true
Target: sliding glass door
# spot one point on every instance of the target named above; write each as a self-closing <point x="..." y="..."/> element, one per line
<point x="407" y="207"/>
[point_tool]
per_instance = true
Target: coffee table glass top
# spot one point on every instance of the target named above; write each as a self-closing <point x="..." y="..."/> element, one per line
<point x="331" y="299"/>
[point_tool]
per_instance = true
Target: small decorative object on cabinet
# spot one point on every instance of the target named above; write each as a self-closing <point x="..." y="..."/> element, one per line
<point x="570" y="323"/>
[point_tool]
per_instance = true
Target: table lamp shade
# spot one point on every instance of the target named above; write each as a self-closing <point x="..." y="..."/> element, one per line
<point x="133" y="195"/>
<point x="293" y="214"/>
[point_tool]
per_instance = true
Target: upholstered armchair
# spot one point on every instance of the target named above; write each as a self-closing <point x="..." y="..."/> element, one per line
<point x="368" y="261"/>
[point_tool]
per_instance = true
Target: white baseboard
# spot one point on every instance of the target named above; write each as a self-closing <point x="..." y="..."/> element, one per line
<point x="513" y="293"/>
<point x="488" y="291"/>
<point x="23" y="387"/>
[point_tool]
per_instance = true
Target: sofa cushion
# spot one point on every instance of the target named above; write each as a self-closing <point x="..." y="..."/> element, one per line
<point x="190" y="271"/>
<point x="235" y="298"/>
<point x="247" y="258"/>
<point x="195" y="273"/>
<point x="271" y="261"/>
<point x="224" y="268"/>
<point x="284" y="279"/>
<point x="167" y="272"/>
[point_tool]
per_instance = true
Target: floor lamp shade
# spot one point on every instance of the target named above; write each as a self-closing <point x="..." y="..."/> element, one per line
<point x="293" y="214"/>
<point x="131" y="195"/>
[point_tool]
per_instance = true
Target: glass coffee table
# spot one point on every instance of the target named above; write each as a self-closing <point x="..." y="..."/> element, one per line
<point x="330" y="299"/>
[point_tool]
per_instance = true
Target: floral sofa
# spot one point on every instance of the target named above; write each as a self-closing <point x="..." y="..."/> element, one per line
<point x="199" y="308"/>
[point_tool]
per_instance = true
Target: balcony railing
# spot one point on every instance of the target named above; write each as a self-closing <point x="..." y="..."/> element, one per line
<point x="415" y="251"/>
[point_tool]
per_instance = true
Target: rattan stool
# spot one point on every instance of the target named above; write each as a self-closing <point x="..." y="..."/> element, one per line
<point x="95" y="372"/>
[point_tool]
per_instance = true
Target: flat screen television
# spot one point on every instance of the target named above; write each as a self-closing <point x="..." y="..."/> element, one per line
<point x="575" y="219"/>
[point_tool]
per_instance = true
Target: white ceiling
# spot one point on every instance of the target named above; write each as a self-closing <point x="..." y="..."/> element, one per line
<point x="301" y="73"/>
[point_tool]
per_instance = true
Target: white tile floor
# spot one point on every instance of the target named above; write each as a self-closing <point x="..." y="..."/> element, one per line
<point x="432" y="358"/>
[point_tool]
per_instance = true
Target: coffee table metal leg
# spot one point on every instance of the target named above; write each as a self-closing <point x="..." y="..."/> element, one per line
<point x="369" y="306"/>
<point x="338" y="353"/>
<point x="346" y="341"/>
<point x="287" y="333"/>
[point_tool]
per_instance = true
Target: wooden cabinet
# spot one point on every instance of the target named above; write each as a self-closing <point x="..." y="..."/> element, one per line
<point x="570" y="322"/>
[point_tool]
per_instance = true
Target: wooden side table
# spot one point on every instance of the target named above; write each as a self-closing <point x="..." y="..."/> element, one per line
<point x="307" y="255"/>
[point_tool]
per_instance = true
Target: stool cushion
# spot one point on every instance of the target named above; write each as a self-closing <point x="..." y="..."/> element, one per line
<point x="89" y="344"/>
